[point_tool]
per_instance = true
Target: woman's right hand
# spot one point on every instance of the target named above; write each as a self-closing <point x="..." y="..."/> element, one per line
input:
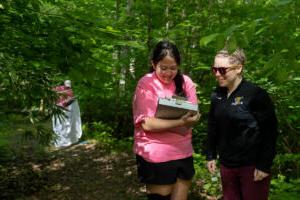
<point x="211" y="166"/>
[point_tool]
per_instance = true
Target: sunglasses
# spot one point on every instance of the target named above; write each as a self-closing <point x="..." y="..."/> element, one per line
<point x="222" y="70"/>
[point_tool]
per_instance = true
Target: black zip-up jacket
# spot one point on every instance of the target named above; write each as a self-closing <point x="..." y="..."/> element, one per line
<point x="242" y="129"/>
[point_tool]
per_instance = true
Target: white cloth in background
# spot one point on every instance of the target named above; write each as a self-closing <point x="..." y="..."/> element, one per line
<point x="68" y="127"/>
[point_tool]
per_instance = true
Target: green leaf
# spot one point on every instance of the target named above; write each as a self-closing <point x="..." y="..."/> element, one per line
<point x="110" y="30"/>
<point x="204" y="41"/>
<point x="261" y="30"/>
<point x="279" y="2"/>
<point x="202" y="67"/>
<point x="296" y="79"/>
<point x="36" y="4"/>
<point x="231" y="29"/>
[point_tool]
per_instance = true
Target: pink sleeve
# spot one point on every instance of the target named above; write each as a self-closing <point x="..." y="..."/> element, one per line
<point x="59" y="88"/>
<point x="144" y="105"/>
<point x="190" y="89"/>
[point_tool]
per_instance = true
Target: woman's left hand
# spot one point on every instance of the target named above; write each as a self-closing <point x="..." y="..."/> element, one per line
<point x="191" y="118"/>
<point x="259" y="175"/>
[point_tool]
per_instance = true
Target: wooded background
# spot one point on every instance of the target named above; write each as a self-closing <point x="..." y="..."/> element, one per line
<point x="103" y="47"/>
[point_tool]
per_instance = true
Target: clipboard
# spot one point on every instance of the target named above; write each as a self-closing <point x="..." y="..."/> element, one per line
<point x="174" y="108"/>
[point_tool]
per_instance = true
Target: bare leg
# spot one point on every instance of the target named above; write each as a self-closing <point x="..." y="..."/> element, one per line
<point x="181" y="189"/>
<point x="160" y="189"/>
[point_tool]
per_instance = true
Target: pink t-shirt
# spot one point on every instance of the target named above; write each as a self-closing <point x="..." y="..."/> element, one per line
<point x="166" y="145"/>
<point x="65" y="95"/>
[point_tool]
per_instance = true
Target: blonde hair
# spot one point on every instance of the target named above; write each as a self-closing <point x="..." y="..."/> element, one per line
<point x="238" y="57"/>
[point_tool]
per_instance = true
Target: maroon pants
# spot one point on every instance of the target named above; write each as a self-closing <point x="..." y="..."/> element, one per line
<point x="238" y="184"/>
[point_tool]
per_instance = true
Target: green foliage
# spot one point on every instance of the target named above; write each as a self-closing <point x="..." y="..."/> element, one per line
<point x="103" y="133"/>
<point x="5" y="153"/>
<point x="281" y="188"/>
<point x="209" y="184"/>
<point x="16" y="141"/>
<point x="94" y="43"/>
<point x="104" y="47"/>
<point x="288" y="165"/>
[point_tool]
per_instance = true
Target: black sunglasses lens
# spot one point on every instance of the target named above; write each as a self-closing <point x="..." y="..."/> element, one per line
<point x="221" y="70"/>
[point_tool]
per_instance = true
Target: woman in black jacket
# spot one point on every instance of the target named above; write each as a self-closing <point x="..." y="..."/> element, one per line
<point x="242" y="131"/>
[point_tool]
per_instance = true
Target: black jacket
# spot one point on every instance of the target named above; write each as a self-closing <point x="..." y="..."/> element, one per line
<point x="242" y="128"/>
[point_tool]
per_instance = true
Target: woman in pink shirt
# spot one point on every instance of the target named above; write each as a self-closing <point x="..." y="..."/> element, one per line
<point x="164" y="155"/>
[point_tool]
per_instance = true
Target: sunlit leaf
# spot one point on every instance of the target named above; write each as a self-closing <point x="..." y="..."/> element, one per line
<point x="204" y="41"/>
<point x="296" y="79"/>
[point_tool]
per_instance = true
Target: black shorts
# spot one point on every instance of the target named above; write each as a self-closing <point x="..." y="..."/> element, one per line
<point x="165" y="173"/>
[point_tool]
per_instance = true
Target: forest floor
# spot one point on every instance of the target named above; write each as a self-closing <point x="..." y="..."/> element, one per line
<point x="82" y="171"/>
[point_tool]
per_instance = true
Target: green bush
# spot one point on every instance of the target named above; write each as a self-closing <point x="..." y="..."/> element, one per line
<point x="283" y="188"/>
<point x="103" y="133"/>
<point x="206" y="183"/>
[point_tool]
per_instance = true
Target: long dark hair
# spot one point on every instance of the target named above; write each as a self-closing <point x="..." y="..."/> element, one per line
<point x="163" y="49"/>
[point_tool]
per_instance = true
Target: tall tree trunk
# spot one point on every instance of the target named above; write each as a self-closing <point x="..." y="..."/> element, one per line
<point x="125" y="52"/>
<point x="167" y="10"/>
<point x="126" y="64"/>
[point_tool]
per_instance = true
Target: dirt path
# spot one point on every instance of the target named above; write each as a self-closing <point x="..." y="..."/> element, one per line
<point x="83" y="171"/>
<point x="79" y="172"/>
<point x="89" y="172"/>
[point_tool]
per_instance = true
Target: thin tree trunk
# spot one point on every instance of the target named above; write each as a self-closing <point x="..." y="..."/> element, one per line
<point x="167" y="10"/>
